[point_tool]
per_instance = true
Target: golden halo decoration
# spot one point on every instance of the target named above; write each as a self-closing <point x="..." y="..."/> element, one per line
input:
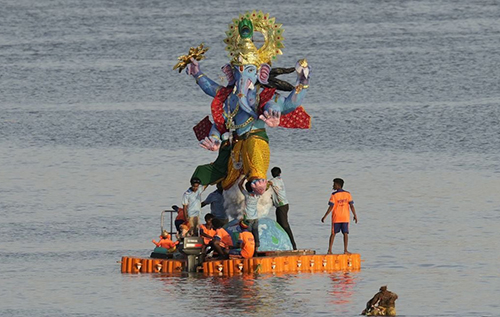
<point x="241" y="53"/>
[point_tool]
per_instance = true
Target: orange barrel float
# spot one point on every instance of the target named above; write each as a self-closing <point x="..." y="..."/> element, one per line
<point x="285" y="264"/>
<point x="305" y="263"/>
<point x="238" y="266"/>
<point x="129" y="265"/>
<point x="124" y="264"/>
<point x="147" y="266"/>
<point x="246" y="266"/>
<point x="157" y="266"/>
<point x="207" y="268"/>
<point x="230" y="267"/>
<point x="293" y="263"/>
<point x="225" y="265"/>
<point x="279" y="264"/>
<point x="342" y="259"/>
<point x="256" y="265"/>
<point x="267" y="264"/>
<point x="135" y="265"/>
<point x="179" y="266"/>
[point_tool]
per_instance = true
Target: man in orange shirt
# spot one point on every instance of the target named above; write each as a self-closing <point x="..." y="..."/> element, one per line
<point x="222" y="240"/>
<point x="207" y="232"/>
<point x="246" y="243"/>
<point x="340" y="202"/>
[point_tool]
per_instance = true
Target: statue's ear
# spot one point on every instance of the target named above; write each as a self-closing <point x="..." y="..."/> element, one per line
<point x="228" y="71"/>
<point x="264" y="73"/>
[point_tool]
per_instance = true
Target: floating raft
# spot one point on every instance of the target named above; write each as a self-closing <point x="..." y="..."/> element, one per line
<point x="273" y="263"/>
<point x="142" y="265"/>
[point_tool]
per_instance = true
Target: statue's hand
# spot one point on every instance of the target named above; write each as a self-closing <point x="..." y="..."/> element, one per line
<point x="271" y="118"/>
<point x="193" y="68"/>
<point x="259" y="186"/>
<point x="210" y="144"/>
<point x="303" y="72"/>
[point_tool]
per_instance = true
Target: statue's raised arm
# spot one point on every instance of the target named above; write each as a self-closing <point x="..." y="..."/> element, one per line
<point x="280" y="105"/>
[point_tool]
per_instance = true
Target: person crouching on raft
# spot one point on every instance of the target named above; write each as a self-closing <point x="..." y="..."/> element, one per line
<point x="222" y="240"/>
<point x="207" y="232"/>
<point x="246" y="243"/>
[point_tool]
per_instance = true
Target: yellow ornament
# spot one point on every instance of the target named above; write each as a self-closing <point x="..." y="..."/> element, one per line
<point x="194" y="52"/>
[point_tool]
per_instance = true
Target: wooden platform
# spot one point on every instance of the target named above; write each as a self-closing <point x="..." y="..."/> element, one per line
<point x="272" y="263"/>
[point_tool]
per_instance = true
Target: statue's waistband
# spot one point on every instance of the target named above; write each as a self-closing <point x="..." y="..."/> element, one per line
<point x="259" y="133"/>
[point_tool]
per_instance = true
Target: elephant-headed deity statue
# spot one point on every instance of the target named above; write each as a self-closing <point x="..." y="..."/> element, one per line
<point x="250" y="102"/>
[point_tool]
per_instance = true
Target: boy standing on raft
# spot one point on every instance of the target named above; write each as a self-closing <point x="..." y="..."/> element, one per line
<point x="340" y="202"/>
<point x="191" y="203"/>
<point x="250" y="214"/>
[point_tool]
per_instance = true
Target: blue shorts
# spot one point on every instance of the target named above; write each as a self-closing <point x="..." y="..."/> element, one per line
<point x="341" y="226"/>
<point x="235" y="251"/>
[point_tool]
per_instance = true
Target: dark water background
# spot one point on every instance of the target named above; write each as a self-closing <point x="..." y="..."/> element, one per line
<point x="96" y="140"/>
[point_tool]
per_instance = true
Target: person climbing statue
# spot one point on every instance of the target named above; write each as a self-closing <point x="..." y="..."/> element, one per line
<point x="281" y="202"/>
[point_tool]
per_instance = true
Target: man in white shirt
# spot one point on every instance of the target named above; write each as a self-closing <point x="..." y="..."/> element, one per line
<point x="281" y="203"/>
<point x="191" y="201"/>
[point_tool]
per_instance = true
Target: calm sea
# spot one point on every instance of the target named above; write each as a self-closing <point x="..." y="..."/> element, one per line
<point x="96" y="140"/>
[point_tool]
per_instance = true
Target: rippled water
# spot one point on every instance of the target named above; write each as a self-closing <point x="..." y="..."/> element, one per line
<point x="96" y="140"/>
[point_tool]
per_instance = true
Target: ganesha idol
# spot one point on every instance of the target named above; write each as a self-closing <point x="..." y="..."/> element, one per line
<point x="249" y="103"/>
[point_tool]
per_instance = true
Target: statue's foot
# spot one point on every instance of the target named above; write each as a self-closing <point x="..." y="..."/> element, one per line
<point x="259" y="186"/>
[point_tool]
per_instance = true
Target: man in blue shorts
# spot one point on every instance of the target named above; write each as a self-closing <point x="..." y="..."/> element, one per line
<point x="340" y="202"/>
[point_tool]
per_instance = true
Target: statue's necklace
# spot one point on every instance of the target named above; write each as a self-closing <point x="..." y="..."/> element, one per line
<point x="230" y="115"/>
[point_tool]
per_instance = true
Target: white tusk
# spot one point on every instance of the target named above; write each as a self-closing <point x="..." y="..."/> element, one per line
<point x="251" y="86"/>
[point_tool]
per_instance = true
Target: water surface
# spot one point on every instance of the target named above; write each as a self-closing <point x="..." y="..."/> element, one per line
<point x="96" y="140"/>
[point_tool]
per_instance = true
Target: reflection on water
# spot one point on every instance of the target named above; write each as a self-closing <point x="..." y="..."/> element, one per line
<point x="341" y="287"/>
<point x="260" y="294"/>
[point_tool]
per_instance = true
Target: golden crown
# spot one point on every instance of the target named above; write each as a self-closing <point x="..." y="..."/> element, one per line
<point x="240" y="42"/>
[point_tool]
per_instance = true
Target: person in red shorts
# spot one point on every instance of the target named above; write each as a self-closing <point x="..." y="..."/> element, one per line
<point x="340" y="202"/>
<point x="181" y="217"/>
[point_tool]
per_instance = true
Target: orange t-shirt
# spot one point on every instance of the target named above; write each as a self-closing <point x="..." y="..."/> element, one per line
<point x="210" y="232"/>
<point x="340" y="200"/>
<point x="225" y="238"/>
<point x="180" y="215"/>
<point x="247" y="244"/>
<point x="166" y="243"/>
